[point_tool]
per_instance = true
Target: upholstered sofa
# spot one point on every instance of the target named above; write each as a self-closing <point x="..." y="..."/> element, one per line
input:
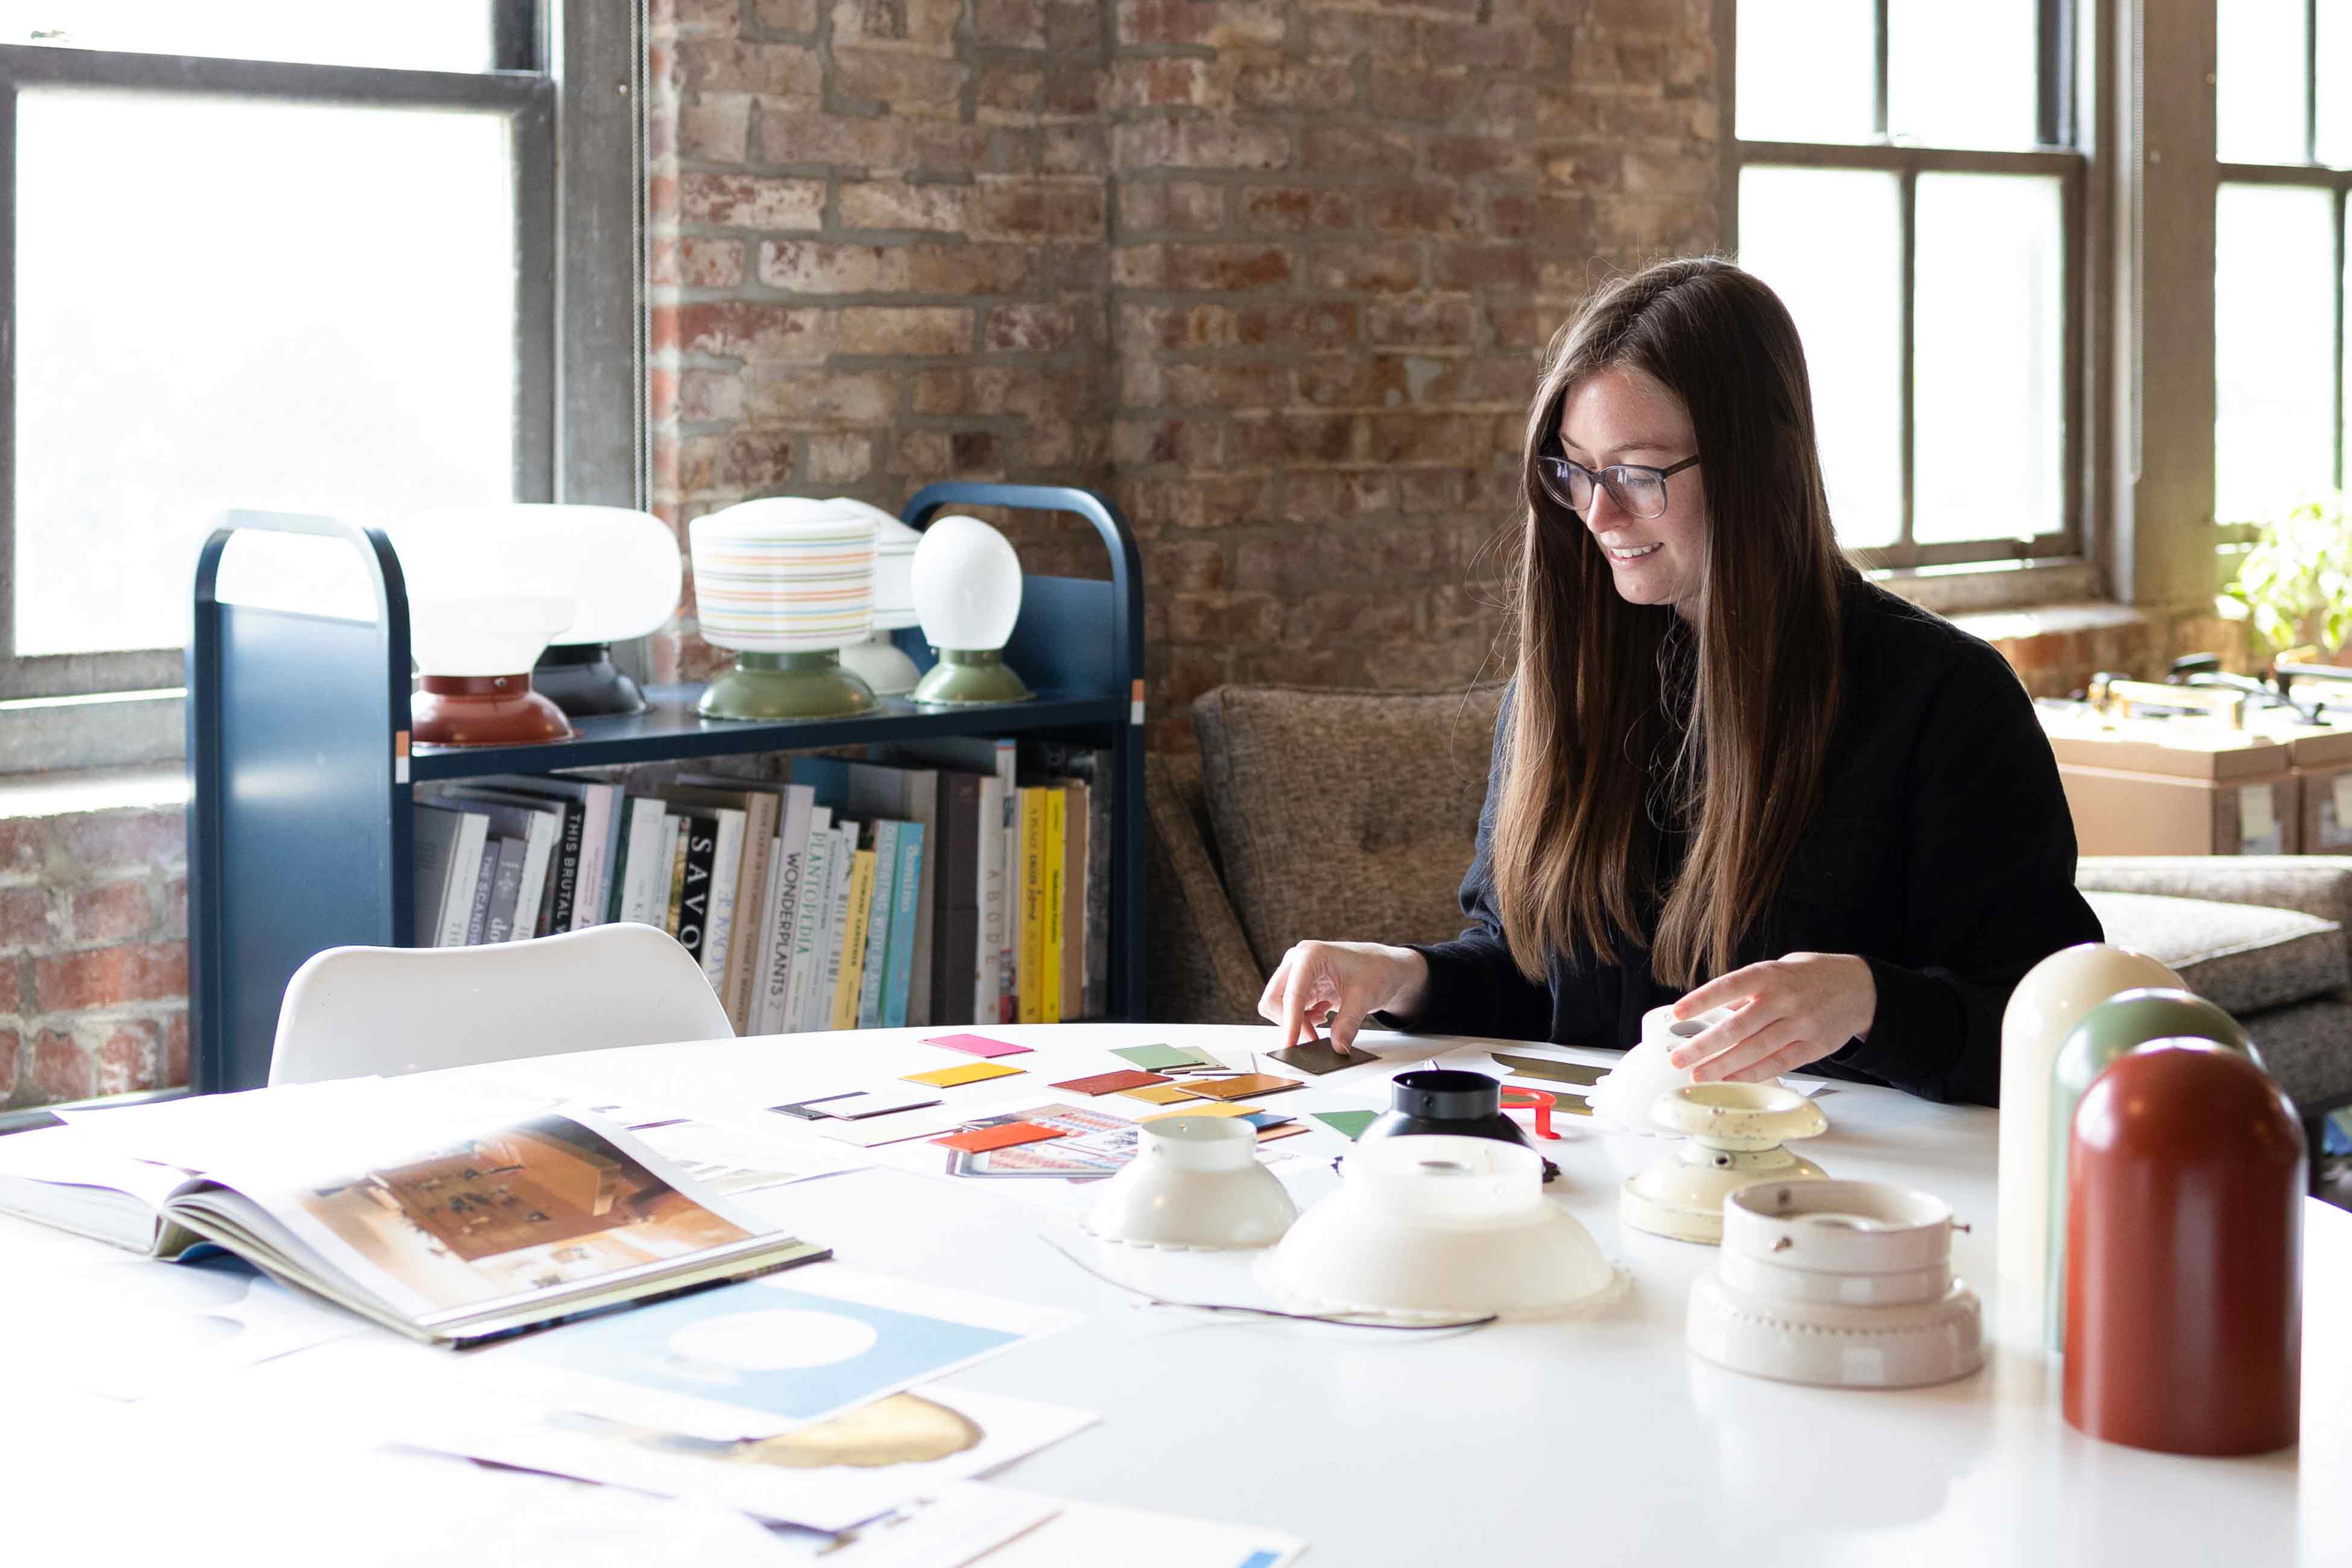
<point x="1351" y="815"/>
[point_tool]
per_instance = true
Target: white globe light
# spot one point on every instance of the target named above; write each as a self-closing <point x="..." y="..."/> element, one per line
<point x="620" y="567"/>
<point x="967" y="586"/>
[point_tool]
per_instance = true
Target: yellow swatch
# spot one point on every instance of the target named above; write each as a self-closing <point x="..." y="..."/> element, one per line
<point x="970" y="1072"/>
<point x="1161" y="1093"/>
<point x="1209" y="1108"/>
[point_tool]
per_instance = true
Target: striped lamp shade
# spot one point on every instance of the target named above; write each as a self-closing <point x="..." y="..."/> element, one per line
<point x="783" y="575"/>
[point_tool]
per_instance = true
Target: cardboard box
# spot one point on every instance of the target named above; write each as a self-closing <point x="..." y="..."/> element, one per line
<point x="2154" y="786"/>
<point x="2322" y="759"/>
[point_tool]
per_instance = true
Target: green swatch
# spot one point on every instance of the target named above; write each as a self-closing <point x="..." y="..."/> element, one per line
<point x="1151" y="1058"/>
<point x="1349" y="1123"/>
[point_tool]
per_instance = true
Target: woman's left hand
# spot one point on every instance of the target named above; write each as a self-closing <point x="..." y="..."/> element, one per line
<point x="1790" y="1011"/>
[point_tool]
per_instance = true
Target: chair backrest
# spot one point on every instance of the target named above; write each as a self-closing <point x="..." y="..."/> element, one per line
<point x="353" y="1011"/>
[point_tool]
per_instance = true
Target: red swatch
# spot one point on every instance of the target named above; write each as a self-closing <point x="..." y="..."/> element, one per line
<point x="1111" y="1082"/>
<point x="1004" y="1137"/>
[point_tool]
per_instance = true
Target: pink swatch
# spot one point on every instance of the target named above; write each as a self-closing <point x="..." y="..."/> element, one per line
<point x="978" y="1046"/>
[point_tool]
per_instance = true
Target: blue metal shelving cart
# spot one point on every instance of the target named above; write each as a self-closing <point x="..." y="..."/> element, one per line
<point x="298" y="822"/>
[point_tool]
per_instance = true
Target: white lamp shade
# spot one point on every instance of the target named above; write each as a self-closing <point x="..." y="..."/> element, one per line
<point x="1624" y="1095"/>
<point x="967" y="586"/>
<point x="894" y="563"/>
<point x="484" y="635"/>
<point x="783" y="575"/>
<point x="619" y="566"/>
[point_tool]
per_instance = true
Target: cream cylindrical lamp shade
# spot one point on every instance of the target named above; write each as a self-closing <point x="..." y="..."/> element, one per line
<point x="967" y="593"/>
<point x="2043" y="1011"/>
<point x="879" y="660"/>
<point x="787" y="583"/>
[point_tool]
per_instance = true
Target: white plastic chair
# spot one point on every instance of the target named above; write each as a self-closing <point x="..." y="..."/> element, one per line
<point x="352" y="1011"/>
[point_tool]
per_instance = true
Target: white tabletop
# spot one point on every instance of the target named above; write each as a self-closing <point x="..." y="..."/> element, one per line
<point x="1602" y="1440"/>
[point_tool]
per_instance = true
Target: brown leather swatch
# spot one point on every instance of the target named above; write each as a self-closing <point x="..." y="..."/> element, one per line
<point x="1241" y="1087"/>
<point x="1111" y="1082"/>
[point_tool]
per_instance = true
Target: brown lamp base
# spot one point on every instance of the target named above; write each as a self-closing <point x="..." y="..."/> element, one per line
<point x="482" y="710"/>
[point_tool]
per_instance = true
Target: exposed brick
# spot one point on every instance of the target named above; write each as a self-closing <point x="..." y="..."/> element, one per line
<point x="1295" y="209"/>
<point x="717" y="130"/>
<point x="1030" y="328"/>
<point x="11" y="996"/>
<point x="1436" y="211"/>
<point x="1295" y="84"/>
<point x="744" y="329"/>
<point x="1029" y="208"/>
<point x="20" y="847"/>
<point x="750" y="201"/>
<point x="128" y="1054"/>
<point x="1160" y="81"/>
<point x="1201" y="144"/>
<point x="1420" y="323"/>
<point x="1224" y="617"/>
<point x="1389" y="266"/>
<point x="117" y="912"/>
<point x="721" y="18"/>
<point x="732" y="466"/>
<point x="11" y="1048"/>
<point x="914" y="85"/>
<point x="1355" y="152"/>
<point x="878" y="143"/>
<point x="812" y="398"/>
<point x="175" y="1049"/>
<point x="889" y="204"/>
<point x="839" y="457"/>
<point x="708" y="396"/>
<point x="1220" y="24"/>
<point x="1345" y="35"/>
<point x="1202" y="267"/>
<point x="1412" y="92"/>
<point x="1469" y="266"/>
<point x="123" y="839"/>
<point x="27" y="919"/>
<point x="711" y="263"/>
<point x="61" y="1070"/>
<point x="1009" y="24"/>
<point x="914" y="329"/>
<point x="789" y="71"/>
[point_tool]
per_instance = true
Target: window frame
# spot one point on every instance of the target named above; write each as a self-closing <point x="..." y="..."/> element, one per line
<point x="2044" y="558"/>
<point x="569" y="80"/>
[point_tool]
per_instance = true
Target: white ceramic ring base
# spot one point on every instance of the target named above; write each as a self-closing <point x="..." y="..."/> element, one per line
<point x="1684" y="1201"/>
<point x="1837" y="1346"/>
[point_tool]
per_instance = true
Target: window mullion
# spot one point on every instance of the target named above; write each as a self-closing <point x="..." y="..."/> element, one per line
<point x="1909" y="265"/>
<point x="2336" y="376"/>
<point x="1878" y="95"/>
<point x="2311" y="81"/>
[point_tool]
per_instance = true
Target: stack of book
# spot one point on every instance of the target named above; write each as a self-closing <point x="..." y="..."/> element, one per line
<point x="950" y="881"/>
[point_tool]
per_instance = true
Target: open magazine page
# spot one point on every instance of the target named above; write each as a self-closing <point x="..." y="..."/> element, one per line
<point x="60" y="1176"/>
<point x="442" y="1197"/>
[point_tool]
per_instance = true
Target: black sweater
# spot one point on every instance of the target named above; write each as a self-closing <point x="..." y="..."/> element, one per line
<point x="1941" y="852"/>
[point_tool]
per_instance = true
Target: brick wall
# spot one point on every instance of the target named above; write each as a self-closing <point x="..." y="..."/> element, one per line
<point x="1273" y="273"/>
<point x="93" y="954"/>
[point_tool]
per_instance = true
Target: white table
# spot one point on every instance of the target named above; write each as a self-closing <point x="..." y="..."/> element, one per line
<point x="1598" y="1441"/>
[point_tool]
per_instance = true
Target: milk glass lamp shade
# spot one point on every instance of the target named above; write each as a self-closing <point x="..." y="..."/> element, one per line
<point x="787" y="583"/>
<point x="479" y="618"/>
<point x="624" y="577"/>
<point x="880" y="662"/>
<point x="966" y="592"/>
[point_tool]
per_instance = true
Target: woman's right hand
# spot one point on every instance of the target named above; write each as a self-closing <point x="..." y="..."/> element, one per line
<point x="1344" y="979"/>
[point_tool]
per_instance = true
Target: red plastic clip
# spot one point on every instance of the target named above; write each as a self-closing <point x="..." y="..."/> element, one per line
<point x="1533" y="1100"/>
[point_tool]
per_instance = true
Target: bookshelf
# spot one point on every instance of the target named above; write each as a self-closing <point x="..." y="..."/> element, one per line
<point x="301" y="772"/>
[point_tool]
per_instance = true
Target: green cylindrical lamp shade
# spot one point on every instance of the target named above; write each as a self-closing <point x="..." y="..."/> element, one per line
<point x="785" y="583"/>
<point x="2123" y="1023"/>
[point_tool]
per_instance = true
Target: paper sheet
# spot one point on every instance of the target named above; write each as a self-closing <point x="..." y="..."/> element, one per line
<point x="1091" y="1535"/>
<point x="760" y="1358"/>
<point x="831" y="1475"/>
<point x="969" y="1072"/>
<point x="978" y="1045"/>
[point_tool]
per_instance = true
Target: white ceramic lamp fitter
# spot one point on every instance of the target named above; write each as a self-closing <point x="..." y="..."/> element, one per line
<point x="1735" y="1132"/>
<point x="1193" y="1186"/>
<point x="967" y="591"/>
<point x="1845" y="1284"/>
<point x="1623" y="1097"/>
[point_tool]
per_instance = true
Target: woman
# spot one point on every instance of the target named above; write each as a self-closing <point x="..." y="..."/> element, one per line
<point x="1728" y="770"/>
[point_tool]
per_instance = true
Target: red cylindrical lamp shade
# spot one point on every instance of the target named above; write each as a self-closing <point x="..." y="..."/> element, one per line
<point x="2184" y="1232"/>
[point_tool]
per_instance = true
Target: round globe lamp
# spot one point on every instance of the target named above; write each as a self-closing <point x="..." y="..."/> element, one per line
<point x="966" y="592"/>
<point x="786" y="583"/>
<point x="625" y="574"/>
<point x="879" y="661"/>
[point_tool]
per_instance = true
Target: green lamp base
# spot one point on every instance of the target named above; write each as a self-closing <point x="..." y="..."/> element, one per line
<point x="970" y="676"/>
<point x="786" y="685"/>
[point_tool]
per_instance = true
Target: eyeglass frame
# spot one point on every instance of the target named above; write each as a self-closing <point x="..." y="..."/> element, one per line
<point x="1606" y="479"/>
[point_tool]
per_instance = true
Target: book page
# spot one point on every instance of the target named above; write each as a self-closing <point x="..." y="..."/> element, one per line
<point x="439" y="1198"/>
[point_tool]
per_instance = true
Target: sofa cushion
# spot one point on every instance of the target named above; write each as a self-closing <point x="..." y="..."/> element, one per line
<point x="2241" y="958"/>
<point x="2303" y="1047"/>
<point x="1345" y="816"/>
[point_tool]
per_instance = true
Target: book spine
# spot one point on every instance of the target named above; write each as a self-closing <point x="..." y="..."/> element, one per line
<point x="675" y="829"/>
<point x="1049" y="965"/>
<point x="465" y="874"/>
<point x="596" y="808"/>
<point x="435" y="835"/>
<point x="543" y="835"/>
<point x="853" y="940"/>
<point x="808" y="920"/>
<point x="746" y="948"/>
<point x="763" y="942"/>
<point x="1095" y="996"/>
<point x="567" y="867"/>
<point x="1008" y="976"/>
<point x="877" y="925"/>
<point x="954" y="856"/>
<point x="1074" y="898"/>
<point x="791" y="865"/>
<point x="647" y="875"/>
<point x="836" y="916"/>
<point x="923" y="804"/>
<point x="700" y="837"/>
<point x="897" y="988"/>
<point x="477" y="921"/>
<point x="726" y="832"/>
<point x="995" y="906"/>
<point x="506" y="906"/>
<point x="1030" y="964"/>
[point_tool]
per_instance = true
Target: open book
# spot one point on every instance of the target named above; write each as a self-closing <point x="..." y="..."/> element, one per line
<point x="451" y="1215"/>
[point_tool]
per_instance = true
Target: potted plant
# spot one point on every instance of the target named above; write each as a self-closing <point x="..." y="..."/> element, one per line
<point x="2294" y="587"/>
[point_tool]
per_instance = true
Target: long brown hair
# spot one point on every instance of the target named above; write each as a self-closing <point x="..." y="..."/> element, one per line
<point x="1594" y="744"/>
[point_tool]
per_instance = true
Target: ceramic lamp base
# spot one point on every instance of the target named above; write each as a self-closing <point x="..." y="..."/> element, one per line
<point x="882" y="665"/>
<point x="582" y="679"/>
<point x="786" y="685"/>
<point x="970" y="676"/>
<point x="1682" y="1195"/>
<point x="482" y="710"/>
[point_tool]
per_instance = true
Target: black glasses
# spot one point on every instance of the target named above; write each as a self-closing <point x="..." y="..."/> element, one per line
<point x="1639" y="491"/>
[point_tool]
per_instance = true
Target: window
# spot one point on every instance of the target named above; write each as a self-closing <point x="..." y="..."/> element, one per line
<point x="2283" y="136"/>
<point x="303" y="257"/>
<point x="1908" y="183"/>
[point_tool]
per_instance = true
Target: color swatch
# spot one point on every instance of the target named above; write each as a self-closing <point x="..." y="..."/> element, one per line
<point x="1004" y="1137"/>
<point x="1111" y="1082"/>
<point x="970" y="1072"/>
<point x="978" y="1046"/>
